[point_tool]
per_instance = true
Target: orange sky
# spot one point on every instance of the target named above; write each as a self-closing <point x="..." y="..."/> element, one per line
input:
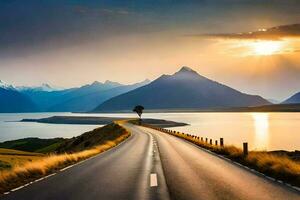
<point x="131" y="42"/>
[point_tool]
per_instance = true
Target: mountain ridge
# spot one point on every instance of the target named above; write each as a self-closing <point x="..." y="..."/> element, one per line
<point x="293" y="99"/>
<point x="185" y="89"/>
<point x="12" y="101"/>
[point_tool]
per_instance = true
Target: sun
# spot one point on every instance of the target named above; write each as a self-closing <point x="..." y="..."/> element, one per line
<point x="266" y="47"/>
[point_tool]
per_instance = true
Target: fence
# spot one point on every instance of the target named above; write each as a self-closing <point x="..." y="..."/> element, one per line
<point x="208" y="141"/>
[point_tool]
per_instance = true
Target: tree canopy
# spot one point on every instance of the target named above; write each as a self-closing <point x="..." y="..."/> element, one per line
<point x="139" y="110"/>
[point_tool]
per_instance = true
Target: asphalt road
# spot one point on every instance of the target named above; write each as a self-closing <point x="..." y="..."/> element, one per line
<point x="154" y="165"/>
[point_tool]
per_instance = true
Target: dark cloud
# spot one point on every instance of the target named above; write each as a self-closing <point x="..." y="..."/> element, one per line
<point x="100" y="11"/>
<point x="34" y="25"/>
<point x="274" y="33"/>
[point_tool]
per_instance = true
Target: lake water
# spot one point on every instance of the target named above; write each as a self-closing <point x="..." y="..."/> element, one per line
<point x="10" y="129"/>
<point x="263" y="131"/>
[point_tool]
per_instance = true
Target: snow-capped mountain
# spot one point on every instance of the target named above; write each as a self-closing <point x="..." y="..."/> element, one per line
<point x="11" y="100"/>
<point x="44" y="87"/>
<point x="6" y="86"/>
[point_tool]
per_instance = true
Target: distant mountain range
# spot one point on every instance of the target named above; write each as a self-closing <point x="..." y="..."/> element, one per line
<point x="185" y="89"/>
<point x="45" y="98"/>
<point x="80" y="99"/>
<point x="13" y="101"/>
<point x="44" y="87"/>
<point x="88" y="97"/>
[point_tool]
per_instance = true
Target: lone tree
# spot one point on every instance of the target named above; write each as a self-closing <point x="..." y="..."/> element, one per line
<point x="139" y="110"/>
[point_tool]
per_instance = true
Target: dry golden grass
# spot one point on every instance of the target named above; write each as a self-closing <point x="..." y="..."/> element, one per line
<point x="277" y="166"/>
<point x="29" y="171"/>
<point x="280" y="167"/>
<point x="17" y="152"/>
<point x="10" y="158"/>
<point x="17" y="160"/>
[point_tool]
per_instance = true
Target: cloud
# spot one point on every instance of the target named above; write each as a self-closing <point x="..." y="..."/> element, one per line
<point x="85" y="10"/>
<point x="274" y="33"/>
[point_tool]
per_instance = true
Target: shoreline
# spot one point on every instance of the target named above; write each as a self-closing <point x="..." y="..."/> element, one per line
<point x="86" y="120"/>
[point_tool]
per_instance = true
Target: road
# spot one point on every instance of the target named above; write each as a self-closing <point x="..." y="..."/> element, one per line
<point x="154" y="165"/>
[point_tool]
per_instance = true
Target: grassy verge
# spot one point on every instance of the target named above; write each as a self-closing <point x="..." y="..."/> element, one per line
<point x="10" y="158"/>
<point x="32" y="144"/>
<point x="70" y="152"/>
<point x="280" y="167"/>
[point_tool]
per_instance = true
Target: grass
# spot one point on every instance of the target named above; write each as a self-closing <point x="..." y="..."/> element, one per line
<point x="31" y="144"/>
<point x="92" y="138"/>
<point x="72" y="153"/>
<point x="280" y="167"/>
<point x="10" y="158"/>
<point x="50" y="148"/>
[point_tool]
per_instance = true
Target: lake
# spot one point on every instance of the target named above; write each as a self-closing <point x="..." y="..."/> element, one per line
<point x="263" y="131"/>
<point x="10" y="129"/>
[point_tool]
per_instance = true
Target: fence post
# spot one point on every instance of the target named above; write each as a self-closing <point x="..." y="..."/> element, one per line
<point x="221" y="142"/>
<point x="210" y="141"/>
<point x="216" y="143"/>
<point x="245" y="148"/>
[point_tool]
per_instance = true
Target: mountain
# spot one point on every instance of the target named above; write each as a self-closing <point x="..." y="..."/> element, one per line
<point x="87" y="101"/>
<point x="44" y="99"/>
<point x="5" y="85"/>
<point x="185" y="89"/>
<point x="44" y="87"/>
<point x="80" y="99"/>
<point x="48" y="100"/>
<point x="13" y="101"/>
<point x="293" y="99"/>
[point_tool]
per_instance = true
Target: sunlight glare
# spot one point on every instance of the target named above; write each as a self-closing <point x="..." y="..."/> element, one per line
<point x="266" y="47"/>
<point x="261" y="124"/>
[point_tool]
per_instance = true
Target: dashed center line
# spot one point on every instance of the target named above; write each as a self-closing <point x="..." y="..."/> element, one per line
<point x="153" y="180"/>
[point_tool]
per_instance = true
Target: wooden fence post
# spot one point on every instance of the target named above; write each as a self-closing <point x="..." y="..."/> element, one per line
<point x="221" y="142"/>
<point x="245" y="148"/>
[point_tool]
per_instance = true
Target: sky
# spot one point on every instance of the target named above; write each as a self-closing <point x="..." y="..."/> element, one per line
<point x="71" y="43"/>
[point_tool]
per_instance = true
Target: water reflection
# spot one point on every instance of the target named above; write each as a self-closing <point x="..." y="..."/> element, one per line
<point x="261" y="124"/>
<point x="264" y="131"/>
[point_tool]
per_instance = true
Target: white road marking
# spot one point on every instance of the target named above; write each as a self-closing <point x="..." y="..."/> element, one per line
<point x="50" y="175"/>
<point x="66" y="168"/>
<point x="40" y="179"/>
<point x="245" y="167"/>
<point x="18" y="188"/>
<point x="296" y="188"/>
<point x="153" y="180"/>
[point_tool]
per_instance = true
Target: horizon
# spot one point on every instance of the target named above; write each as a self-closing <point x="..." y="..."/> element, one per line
<point x="58" y="88"/>
<point x="97" y="41"/>
<point x="155" y="99"/>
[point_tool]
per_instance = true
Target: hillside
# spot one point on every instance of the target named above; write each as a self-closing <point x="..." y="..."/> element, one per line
<point x="185" y="89"/>
<point x="80" y="99"/>
<point x="92" y="138"/>
<point x="90" y="97"/>
<point x="33" y="144"/>
<point x="13" y="101"/>
<point x="46" y="100"/>
<point x="293" y="99"/>
<point x="10" y="158"/>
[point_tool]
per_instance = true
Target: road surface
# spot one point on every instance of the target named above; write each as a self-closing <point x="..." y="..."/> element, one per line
<point x="154" y="165"/>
